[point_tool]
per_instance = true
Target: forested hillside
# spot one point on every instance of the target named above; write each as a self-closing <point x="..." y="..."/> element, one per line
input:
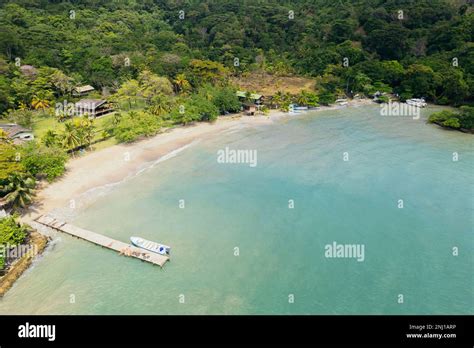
<point x="418" y="48"/>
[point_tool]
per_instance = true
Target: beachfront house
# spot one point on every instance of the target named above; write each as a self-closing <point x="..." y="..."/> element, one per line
<point x="92" y="107"/>
<point x="251" y="102"/>
<point x="250" y="109"/>
<point x="81" y="91"/>
<point x="17" y="134"/>
<point x="255" y="98"/>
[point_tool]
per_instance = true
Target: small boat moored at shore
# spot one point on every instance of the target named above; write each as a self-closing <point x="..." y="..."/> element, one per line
<point x="418" y="102"/>
<point x="295" y="108"/>
<point x="150" y="246"/>
<point x="342" y="102"/>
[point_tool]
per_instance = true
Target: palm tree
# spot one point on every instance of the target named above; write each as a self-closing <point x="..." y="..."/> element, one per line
<point x="278" y="98"/>
<point x="88" y="130"/>
<point x="70" y="137"/>
<point x="19" y="190"/>
<point x="84" y="130"/>
<point x="248" y="97"/>
<point x="4" y="137"/>
<point x="159" y="105"/>
<point x="40" y="101"/>
<point x="181" y="83"/>
<point x="116" y="118"/>
<point x="158" y="109"/>
<point x="302" y="98"/>
<point x="285" y="106"/>
<point x="50" y="139"/>
<point x="22" y="106"/>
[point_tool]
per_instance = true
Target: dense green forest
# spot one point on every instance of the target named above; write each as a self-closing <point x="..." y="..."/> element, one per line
<point x="417" y="48"/>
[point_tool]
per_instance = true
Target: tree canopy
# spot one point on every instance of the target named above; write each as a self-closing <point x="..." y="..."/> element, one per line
<point x="107" y="43"/>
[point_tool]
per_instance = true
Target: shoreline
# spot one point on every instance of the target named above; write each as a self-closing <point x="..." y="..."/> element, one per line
<point x="113" y="165"/>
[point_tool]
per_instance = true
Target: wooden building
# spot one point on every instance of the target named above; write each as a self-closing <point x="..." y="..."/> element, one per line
<point x="92" y="107"/>
<point x="82" y="90"/>
<point x="17" y="133"/>
<point x="251" y="103"/>
<point x="250" y="109"/>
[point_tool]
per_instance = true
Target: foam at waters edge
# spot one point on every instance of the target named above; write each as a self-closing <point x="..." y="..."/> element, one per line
<point x="91" y="195"/>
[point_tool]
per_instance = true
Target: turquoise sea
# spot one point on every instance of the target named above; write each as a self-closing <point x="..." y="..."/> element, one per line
<point x="281" y="266"/>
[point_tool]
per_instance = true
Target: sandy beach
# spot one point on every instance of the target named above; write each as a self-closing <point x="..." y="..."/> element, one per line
<point x="116" y="163"/>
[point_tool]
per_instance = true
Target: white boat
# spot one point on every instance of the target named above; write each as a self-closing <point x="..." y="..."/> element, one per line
<point x="296" y="109"/>
<point x="341" y="102"/>
<point x="300" y="108"/>
<point x="150" y="246"/>
<point x="418" y="102"/>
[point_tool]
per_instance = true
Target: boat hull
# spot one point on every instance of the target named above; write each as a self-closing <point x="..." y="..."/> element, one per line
<point x="417" y="102"/>
<point x="150" y="246"/>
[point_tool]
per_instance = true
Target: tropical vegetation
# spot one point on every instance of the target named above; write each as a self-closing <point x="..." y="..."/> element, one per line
<point x="164" y="63"/>
<point x="12" y="233"/>
<point x="462" y="120"/>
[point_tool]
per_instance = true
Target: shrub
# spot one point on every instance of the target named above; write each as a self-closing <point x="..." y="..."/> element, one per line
<point x="22" y="117"/>
<point x="452" y="123"/>
<point x="326" y="98"/>
<point x="464" y="119"/>
<point x="439" y="117"/>
<point x="12" y="232"/>
<point x="9" y="162"/>
<point x="135" y="124"/>
<point x="226" y="100"/>
<point x="206" y="110"/>
<point x="40" y="160"/>
<point x="383" y="99"/>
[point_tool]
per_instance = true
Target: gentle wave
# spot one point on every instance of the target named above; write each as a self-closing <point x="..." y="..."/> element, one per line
<point x="90" y="196"/>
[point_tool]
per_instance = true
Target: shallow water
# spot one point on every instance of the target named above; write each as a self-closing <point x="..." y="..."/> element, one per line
<point x="281" y="251"/>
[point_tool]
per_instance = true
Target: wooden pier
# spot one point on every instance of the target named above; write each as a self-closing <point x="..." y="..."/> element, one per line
<point x="106" y="242"/>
